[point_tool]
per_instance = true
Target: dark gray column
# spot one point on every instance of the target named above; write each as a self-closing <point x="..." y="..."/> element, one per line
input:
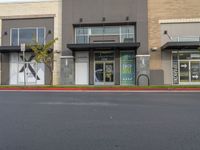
<point x="67" y="70"/>
<point x="48" y="76"/>
<point x="117" y="67"/>
<point x="142" y="66"/>
<point x="91" y="67"/>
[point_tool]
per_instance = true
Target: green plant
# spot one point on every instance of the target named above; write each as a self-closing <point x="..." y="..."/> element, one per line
<point x="44" y="54"/>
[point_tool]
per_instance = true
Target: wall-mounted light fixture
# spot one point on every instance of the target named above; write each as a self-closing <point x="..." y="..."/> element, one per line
<point x="103" y="19"/>
<point x="81" y="20"/>
<point x="153" y="49"/>
<point x="127" y="18"/>
<point x="5" y="33"/>
<point x="166" y="33"/>
<point x="49" y="32"/>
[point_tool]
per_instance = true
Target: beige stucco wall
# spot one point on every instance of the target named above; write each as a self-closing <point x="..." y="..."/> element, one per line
<point x="167" y="9"/>
<point x="39" y="9"/>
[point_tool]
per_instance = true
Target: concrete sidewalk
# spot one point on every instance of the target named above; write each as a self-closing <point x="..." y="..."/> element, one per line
<point x="114" y="89"/>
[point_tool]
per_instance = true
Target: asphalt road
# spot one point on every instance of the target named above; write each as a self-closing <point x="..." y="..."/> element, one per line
<point x="99" y="121"/>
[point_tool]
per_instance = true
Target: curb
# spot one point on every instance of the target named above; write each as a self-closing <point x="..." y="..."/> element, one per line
<point x="100" y="89"/>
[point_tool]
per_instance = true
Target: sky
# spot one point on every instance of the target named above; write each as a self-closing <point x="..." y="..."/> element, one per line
<point x="6" y="1"/>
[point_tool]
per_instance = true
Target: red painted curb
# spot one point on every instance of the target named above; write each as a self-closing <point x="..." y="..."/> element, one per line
<point x="99" y="89"/>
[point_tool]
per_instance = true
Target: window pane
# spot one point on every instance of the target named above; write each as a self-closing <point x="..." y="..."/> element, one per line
<point x="82" y="39"/>
<point x="14" y="37"/>
<point x="127" y="29"/>
<point x="81" y="31"/>
<point x="127" y="38"/>
<point x="104" y="56"/>
<point x="97" y="30"/>
<point x="41" y="36"/>
<point x="27" y="36"/>
<point x="184" y="56"/>
<point x="111" y="30"/>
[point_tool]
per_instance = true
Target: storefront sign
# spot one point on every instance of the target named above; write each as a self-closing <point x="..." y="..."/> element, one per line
<point x="127" y="73"/>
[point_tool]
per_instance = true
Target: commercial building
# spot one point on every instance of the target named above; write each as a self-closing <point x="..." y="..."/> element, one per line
<point x="105" y="42"/>
<point x="174" y="40"/>
<point x="22" y="23"/>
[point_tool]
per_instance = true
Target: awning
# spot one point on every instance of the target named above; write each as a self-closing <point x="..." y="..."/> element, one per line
<point x="103" y="46"/>
<point x="180" y="45"/>
<point x="10" y="49"/>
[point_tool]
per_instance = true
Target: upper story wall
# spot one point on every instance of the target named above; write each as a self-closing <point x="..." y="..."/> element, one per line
<point x="114" y="11"/>
<point x="36" y="10"/>
<point x="29" y="23"/>
<point x="180" y="31"/>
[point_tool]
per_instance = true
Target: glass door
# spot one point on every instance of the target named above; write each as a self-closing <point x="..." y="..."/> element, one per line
<point x="195" y="71"/>
<point x="189" y="72"/>
<point x="184" y="72"/>
<point x="99" y="73"/>
<point x="109" y="72"/>
<point x="104" y="73"/>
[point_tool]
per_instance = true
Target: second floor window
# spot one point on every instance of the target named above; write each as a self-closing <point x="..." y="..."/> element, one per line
<point x="27" y="36"/>
<point x="125" y="33"/>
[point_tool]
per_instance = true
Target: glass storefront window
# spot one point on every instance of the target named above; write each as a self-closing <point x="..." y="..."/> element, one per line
<point x="41" y="36"/>
<point x="126" y="38"/>
<point x="104" y="56"/>
<point x="125" y="33"/>
<point x="81" y="31"/>
<point x="128" y="30"/>
<point x="105" y="30"/>
<point x="14" y="37"/>
<point x="184" y="56"/>
<point x="82" y="39"/>
<point x="27" y="35"/>
<point x="127" y="73"/>
<point x="186" y="67"/>
<point x="97" y="31"/>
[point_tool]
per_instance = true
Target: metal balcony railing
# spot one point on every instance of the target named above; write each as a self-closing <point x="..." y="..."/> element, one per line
<point x="186" y="39"/>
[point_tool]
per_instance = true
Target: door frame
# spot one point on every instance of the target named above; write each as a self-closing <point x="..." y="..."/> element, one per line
<point x="104" y="82"/>
<point x="190" y="79"/>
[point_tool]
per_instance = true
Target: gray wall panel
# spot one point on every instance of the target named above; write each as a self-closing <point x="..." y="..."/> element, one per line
<point x="7" y="24"/>
<point x="114" y="11"/>
<point x="91" y="67"/>
<point x="117" y="67"/>
<point x="5" y="74"/>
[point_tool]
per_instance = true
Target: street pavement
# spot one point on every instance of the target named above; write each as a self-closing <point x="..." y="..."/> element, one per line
<point x="99" y="121"/>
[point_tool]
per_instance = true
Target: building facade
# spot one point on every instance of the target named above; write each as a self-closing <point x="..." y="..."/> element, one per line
<point x="174" y="39"/>
<point x="106" y="44"/>
<point x="114" y="42"/>
<point x="23" y="23"/>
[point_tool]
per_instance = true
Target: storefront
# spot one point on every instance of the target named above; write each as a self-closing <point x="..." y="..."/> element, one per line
<point x="105" y="54"/>
<point x="185" y="62"/>
<point x="115" y="65"/>
<point x="186" y="67"/>
<point x="25" y="71"/>
<point x="19" y="69"/>
<point x="104" y="68"/>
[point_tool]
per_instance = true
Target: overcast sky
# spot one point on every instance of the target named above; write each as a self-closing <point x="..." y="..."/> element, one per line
<point x="6" y="1"/>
